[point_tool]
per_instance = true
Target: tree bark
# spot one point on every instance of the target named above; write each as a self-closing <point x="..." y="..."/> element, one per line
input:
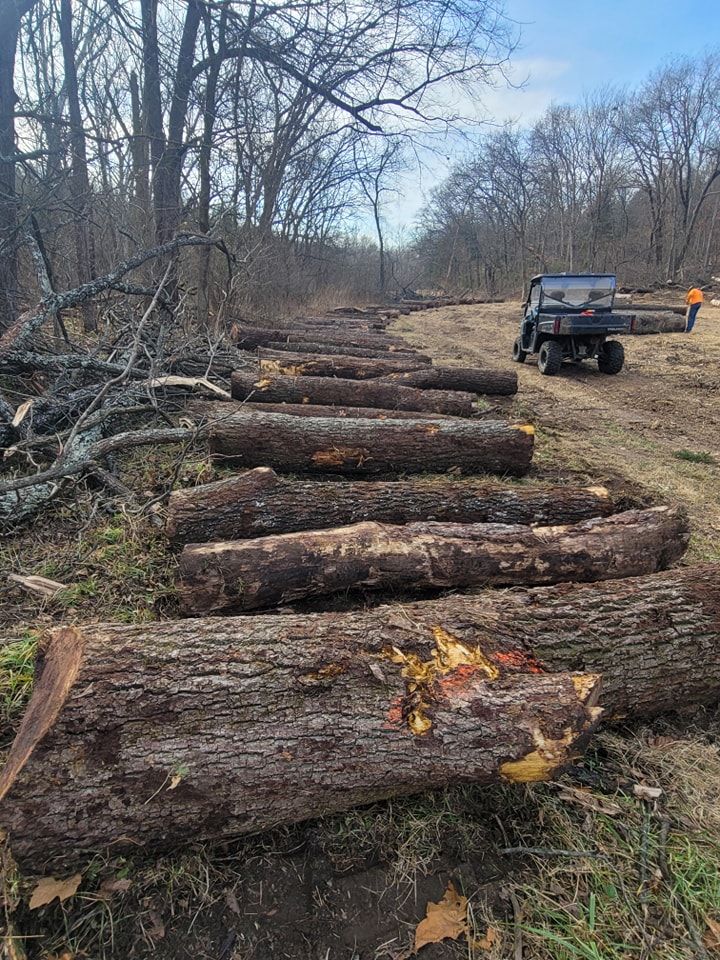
<point x="248" y="338"/>
<point x="259" y="503"/>
<point x="371" y="447"/>
<point x="358" y="393"/>
<point x="220" y="410"/>
<point x="79" y="179"/>
<point x="472" y="379"/>
<point x="155" y="736"/>
<point x="266" y="572"/>
<point x="347" y="351"/>
<point x="349" y="368"/>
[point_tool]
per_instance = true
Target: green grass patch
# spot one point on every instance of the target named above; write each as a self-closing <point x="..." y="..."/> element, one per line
<point x="692" y="456"/>
<point x="17" y="670"/>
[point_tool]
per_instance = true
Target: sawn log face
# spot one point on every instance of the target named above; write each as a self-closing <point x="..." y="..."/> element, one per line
<point x="260" y="503"/>
<point x="265" y="572"/>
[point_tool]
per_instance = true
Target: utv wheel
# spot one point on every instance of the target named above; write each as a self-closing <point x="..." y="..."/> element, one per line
<point x="550" y="358"/>
<point x="611" y="357"/>
<point x="519" y="354"/>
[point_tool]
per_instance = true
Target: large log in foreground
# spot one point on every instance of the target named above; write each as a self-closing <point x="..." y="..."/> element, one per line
<point x="472" y="379"/>
<point x="167" y="732"/>
<point x="266" y="572"/>
<point x="347" y="367"/>
<point x="267" y="388"/>
<point x="259" y="503"/>
<point x="157" y="736"/>
<point x="372" y="447"/>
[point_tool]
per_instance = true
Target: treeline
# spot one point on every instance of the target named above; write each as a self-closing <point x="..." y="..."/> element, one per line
<point x="269" y="123"/>
<point x="628" y="181"/>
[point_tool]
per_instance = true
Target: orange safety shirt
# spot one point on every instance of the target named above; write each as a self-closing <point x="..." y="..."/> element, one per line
<point x="694" y="296"/>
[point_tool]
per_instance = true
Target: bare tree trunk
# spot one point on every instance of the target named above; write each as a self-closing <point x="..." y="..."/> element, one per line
<point x="11" y="13"/>
<point x="259" y="503"/>
<point x="268" y="571"/>
<point x="79" y="180"/>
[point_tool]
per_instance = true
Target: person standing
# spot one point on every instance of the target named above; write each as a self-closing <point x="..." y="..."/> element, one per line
<point x="694" y="300"/>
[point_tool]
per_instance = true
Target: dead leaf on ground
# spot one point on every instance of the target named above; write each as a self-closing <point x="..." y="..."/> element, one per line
<point x="590" y="801"/>
<point x="157" y="930"/>
<point x="711" y="939"/>
<point x="49" y="888"/>
<point x="232" y="902"/>
<point x="21" y="412"/>
<point x="108" y="887"/>
<point x="643" y="792"/>
<point x="486" y="942"/>
<point x="444" y="920"/>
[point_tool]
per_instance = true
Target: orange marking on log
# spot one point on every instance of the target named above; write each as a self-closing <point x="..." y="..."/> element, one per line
<point x="518" y="660"/>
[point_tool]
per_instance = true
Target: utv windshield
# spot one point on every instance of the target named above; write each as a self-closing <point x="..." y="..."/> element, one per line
<point x="578" y="292"/>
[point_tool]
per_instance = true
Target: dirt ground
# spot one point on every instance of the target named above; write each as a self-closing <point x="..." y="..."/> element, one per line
<point x="631" y="429"/>
<point x="630" y="878"/>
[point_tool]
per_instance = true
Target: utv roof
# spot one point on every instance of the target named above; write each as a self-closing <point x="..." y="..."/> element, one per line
<point x="543" y="276"/>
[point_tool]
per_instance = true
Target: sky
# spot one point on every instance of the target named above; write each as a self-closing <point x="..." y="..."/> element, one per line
<point x="569" y="48"/>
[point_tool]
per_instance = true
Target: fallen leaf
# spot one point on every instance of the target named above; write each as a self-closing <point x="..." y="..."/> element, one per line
<point x="643" y="792"/>
<point x="711" y="939"/>
<point x="108" y="887"/>
<point x="232" y="902"/>
<point x="21" y="412"/>
<point x="157" y="930"/>
<point x="486" y="942"/>
<point x="444" y="920"/>
<point x="590" y="801"/>
<point x="49" y="888"/>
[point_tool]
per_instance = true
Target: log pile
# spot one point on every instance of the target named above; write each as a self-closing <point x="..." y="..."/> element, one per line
<point x="357" y="468"/>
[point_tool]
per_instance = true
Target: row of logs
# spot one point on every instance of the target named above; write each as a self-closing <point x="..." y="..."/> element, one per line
<point x="205" y="728"/>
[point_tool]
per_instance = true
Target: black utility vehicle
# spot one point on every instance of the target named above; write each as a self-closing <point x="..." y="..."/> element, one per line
<point x="569" y="316"/>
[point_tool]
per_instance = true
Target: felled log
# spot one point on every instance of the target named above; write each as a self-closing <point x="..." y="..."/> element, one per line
<point x="472" y="379"/>
<point x="247" y="338"/>
<point x="370" y="447"/>
<point x="209" y="410"/>
<point x="266" y="572"/>
<point x="141" y="736"/>
<point x="259" y="503"/>
<point x="358" y="393"/>
<point x="348" y="368"/>
<point x="326" y="348"/>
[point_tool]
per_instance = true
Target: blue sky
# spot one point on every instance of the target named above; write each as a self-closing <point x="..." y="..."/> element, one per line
<point x="572" y="47"/>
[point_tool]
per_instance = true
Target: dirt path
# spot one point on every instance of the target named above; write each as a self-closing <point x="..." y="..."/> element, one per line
<point x="628" y="428"/>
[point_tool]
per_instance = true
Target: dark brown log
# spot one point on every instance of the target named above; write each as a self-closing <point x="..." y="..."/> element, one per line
<point x="349" y="368"/>
<point x="247" y="338"/>
<point x="214" y="410"/>
<point x="325" y="349"/>
<point x="472" y="379"/>
<point x="658" y="323"/>
<point x="372" y="447"/>
<point x="266" y="572"/>
<point x="259" y="503"/>
<point x="268" y="388"/>
<point x="154" y="736"/>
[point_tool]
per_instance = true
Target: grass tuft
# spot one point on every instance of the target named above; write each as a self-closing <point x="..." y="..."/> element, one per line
<point x="692" y="456"/>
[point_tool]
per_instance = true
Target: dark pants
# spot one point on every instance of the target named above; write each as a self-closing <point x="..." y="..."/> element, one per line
<point x="691" y="316"/>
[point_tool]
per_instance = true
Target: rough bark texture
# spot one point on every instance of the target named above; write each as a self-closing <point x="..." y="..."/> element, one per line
<point x="259" y="503"/>
<point x="214" y="410"/>
<point x="268" y="388"/>
<point x="249" y="337"/>
<point x="350" y="368"/>
<point x="325" y="348"/>
<point x="501" y="382"/>
<point x="370" y="447"/>
<point x="178" y="732"/>
<point x="665" y="322"/>
<point x="266" y="572"/>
